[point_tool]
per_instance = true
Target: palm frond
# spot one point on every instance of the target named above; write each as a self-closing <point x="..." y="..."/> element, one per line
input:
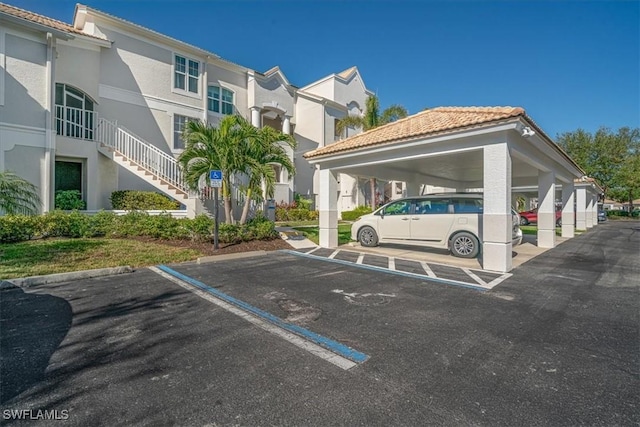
<point x="17" y="195"/>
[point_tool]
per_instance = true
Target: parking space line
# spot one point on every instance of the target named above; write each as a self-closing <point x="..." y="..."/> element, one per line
<point x="386" y="270"/>
<point x="474" y="276"/>
<point x="333" y="255"/>
<point x="328" y="349"/>
<point x="360" y="258"/>
<point x="314" y="249"/>
<point x="495" y="282"/>
<point x="427" y="269"/>
<point x="392" y="263"/>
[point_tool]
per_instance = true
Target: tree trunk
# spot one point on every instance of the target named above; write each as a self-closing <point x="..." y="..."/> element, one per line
<point x="372" y="182"/>
<point x="245" y="208"/>
<point x="226" y="196"/>
<point x="630" y="202"/>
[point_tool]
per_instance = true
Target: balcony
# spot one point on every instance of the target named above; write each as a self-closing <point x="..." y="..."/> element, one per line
<point x="75" y="122"/>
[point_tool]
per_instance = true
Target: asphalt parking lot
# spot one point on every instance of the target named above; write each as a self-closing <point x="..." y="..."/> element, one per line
<point x="554" y="344"/>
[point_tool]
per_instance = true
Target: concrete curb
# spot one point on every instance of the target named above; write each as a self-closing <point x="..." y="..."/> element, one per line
<point x="27" y="282"/>
<point x="239" y="255"/>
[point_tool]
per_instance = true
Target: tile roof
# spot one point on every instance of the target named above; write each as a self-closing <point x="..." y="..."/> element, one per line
<point x="426" y="123"/>
<point x="42" y="20"/>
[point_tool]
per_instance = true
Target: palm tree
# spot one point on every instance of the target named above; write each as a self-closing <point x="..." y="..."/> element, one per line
<point x="264" y="148"/>
<point x="208" y="148"/>
<point x="372" y="119"/>
<point x="17" y="196"/>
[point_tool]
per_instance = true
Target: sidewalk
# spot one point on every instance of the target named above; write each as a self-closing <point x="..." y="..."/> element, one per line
<point x="295" y="238"/>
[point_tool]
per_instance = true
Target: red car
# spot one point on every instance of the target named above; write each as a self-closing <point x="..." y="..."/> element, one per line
<point x="531" y="216"/>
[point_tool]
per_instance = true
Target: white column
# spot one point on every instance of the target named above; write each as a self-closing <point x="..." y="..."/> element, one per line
<point x="255" y="116"/>
<point x="412" y="189"/>
<point x="495" y="234"/>
<point x="589" y="210"/>
<point x="546" y="209"/>
<point x="286" y="125"/>
<point x="595" y="209"/>
<point x="568" y="213"/>
<point x="328" y="207"/>
<point x="581" y="207"/>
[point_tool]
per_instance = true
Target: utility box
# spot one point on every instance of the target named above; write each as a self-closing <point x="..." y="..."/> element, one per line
<point x="270" y="210"/>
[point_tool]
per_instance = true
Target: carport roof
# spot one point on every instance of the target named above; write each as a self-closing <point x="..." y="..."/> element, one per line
<point x="433" y="121"/>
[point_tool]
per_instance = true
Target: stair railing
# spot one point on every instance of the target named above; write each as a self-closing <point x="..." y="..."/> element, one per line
<point x="144" y="154"/>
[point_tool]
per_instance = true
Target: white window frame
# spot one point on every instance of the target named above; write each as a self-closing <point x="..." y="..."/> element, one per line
<point x="221" y="100"/>
<point x="173" y="130"/>
<point x="174" y="72"/>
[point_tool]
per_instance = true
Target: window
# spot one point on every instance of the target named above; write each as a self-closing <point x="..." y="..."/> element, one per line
<point x="467" y="205"/>
<point x="401" y="207"/>
<point x="220" y="100"/>
<point x="75" y="115"/>
<point x="179" y="123"/>
<point x="186" y="74"/>
<point x="433" y="206"/>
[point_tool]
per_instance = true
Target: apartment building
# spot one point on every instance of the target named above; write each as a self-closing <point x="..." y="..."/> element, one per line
<point x="99" y="105"/>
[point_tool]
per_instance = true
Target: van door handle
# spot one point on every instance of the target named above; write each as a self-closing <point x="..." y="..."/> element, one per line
<point x="405" y="219"/>
<point x="415" y="218"/>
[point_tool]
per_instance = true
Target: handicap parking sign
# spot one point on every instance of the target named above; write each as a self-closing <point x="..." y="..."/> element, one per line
<point x="216" y="178"/>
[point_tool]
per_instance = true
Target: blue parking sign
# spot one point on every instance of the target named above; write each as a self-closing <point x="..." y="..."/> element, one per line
<point x="216" y="175"/>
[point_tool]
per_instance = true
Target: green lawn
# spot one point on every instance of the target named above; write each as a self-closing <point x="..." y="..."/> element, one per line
<point x="533" y="229"/>
<point x="312" y="233"/>
<point x="49" y="256"/>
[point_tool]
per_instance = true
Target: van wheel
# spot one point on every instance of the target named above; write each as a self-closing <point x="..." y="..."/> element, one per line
<point x="524" y="221"/>
<point x="368" y="237"/>
<point x="559" y="222"/>
<point x="464" y="245"/>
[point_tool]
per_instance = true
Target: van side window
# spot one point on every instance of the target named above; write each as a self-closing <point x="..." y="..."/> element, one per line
<point x="402" y="207"/>
<point x="432" y="206"/>
<point x="467" y="206"/>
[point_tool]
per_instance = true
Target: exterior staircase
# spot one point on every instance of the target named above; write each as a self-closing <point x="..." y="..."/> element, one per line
<point x="147" y="162"/>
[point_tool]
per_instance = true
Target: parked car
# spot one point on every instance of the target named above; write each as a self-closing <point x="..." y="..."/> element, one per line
<point x="602" y="215"/>
<point x="447" y="220"/>
<point x="529" y="217"/>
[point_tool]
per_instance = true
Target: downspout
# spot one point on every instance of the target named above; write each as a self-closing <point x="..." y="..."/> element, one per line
<point x="205" y="90"/>
<point x="48" y="173"/>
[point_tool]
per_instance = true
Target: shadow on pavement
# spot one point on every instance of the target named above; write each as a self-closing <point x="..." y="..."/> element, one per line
<point x="33" y="326"/>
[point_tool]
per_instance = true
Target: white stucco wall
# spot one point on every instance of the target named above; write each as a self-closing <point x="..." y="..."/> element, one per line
<point x="324" y="88"/>
<point x="273" y="90"/>
<point x="78" y="65"/>
<point x="24" y="79"/>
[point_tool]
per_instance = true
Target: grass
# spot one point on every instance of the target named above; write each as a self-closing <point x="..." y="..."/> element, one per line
<point x="533" y="229"/>
<point x="313" y="233"/>
<point x="49" y="256"/>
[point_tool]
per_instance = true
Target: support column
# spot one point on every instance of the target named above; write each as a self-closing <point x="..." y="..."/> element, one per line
<point x="581" y="208"/>
<point x="595" y="209"/>
<point x="546" y="209"/>
<point x="255" y="116"/>
<point x="328" y="207"/>
<point x="568" y="213"/>
<point x="286" y="125"/>
<point x="496" y="227"/>
<point x="589" y="211"/>
<point x="413" y="189"/>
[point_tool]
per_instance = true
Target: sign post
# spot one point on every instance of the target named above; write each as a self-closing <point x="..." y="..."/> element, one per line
<point x="215" y="178"/>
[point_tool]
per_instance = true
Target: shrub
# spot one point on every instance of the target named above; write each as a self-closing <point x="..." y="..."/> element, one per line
<point x="293" y="212"/>
<point x="69" y="200"/>
<point x="357" y="212"/>
<point x="16" y="228"/>
<point x="142" y="200"/>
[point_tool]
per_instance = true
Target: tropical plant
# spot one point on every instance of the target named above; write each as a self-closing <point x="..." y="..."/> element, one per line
<point x="262" y="149"/>
<point x="214" y="148"/>
<point x="69" y="200"/>
<point x="372" y="119"/>
<point x="17" y="195"/>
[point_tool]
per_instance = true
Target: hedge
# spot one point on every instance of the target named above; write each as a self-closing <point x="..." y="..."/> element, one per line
<point x="142" y="200"/>
<point x="295" y="211"/>
<point x="357" y="212"/>
<point x="15" y="228"/>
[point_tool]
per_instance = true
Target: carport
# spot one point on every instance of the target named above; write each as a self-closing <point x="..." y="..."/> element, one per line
<point x="465" y="148"/>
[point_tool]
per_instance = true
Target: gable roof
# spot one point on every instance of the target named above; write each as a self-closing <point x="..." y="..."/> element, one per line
<point x="426" y="123"/>
<point x="347" y="73"/>
<point x="45" y="21"/>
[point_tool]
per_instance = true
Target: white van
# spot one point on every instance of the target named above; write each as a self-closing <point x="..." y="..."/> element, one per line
<point x="446" y="220"/>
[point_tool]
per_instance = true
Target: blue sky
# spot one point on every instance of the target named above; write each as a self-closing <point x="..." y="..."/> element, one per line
<point x="570" y="64"/>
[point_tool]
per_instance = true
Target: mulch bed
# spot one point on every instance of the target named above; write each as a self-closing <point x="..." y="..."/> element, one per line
<point x="224" y="248"/>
